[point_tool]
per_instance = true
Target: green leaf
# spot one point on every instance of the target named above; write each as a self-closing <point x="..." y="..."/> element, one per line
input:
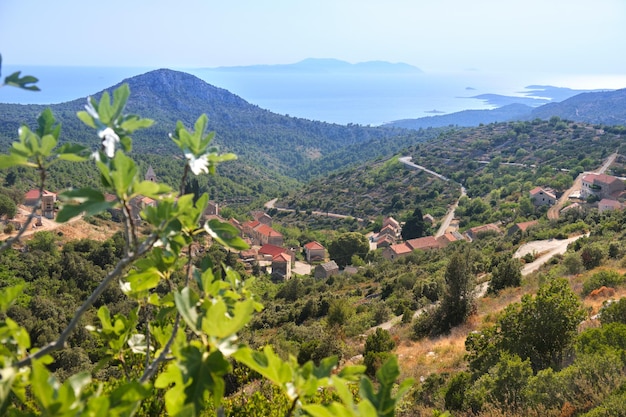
<point x="120" y="97"/>
<point x="150" y="189"/>
<point x="8" y="295"/>
<point x="219" y="323"/>
<point x="143" y="280"/>
<point x="24" y="82"/>
<point x="82" y="200"/>
<point x="72" y="152"/>
<point x="123" y="173"/>
<point x="105" y="111"/>
<point x="267" y="363"/>
<point x="132" y="123"/>
<point x="8" y="161"/>
<point x="86" y="118"/>
<point x="187" y="308"/>
<point x="225" y="233"/>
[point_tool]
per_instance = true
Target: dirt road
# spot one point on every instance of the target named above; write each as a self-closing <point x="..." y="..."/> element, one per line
<point x="555" y="210"/>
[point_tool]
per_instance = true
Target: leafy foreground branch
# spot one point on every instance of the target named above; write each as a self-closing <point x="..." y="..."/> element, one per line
<point x="187" y="336"/>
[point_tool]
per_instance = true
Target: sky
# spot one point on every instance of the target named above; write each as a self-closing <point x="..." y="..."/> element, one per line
<point x="560" y="36"/>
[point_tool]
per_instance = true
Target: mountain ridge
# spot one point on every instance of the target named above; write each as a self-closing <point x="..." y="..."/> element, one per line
<point x="325" y="65"/>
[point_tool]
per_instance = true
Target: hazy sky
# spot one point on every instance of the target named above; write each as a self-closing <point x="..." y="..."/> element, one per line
<point x="570" y="36"/>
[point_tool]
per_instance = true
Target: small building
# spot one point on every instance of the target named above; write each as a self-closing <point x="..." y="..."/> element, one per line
<point x="542" y="197"/>
<point x="608" y="205"/>
<point x="281" y="267"/>
<point x="424" y="243"/>
<point x="484" y="230"/>
<point x="403" y="249"/>
<point x="447" y="238"/>
<point x="212" y="209"/>
<point x="326" y="270"/>
<point x="521" y="227"/>
<point x="385" y="242"/>
<point x="262" y="217"/>
<point x="314" y="252"/>
<point x="269" y="252"/>
<point x="428" y="219"/>
<point x="31" y="197"/>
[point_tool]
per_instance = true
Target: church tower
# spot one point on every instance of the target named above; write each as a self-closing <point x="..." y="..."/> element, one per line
<point x="150" y="175"/>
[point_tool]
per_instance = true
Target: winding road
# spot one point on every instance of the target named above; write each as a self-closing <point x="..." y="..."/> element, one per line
<point x="447" y="219"/>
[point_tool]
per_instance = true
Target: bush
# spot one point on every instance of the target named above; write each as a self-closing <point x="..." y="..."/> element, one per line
<point x="607" y="278"/>
<point x="614" y="312"/>
<point x="591" y="256"/>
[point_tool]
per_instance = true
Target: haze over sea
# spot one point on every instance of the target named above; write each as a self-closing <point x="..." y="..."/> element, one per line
<point x="362" y="98"/>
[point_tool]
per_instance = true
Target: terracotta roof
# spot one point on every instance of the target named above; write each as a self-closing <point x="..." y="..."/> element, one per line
<point x="266" y="230"/>
<point x="401" y="248"/>
<point x="603" y="178"/>
<point x="245" y="254"/>
<point x="609" y="203"/>
<point x="272" y="250"/>
<point x="538" y="190"/>
<point x="314" y="246"/>
<point x="33" y="194"/>
<point x="485" y="228"/>
<point x="525" y="225"/>
<point x="428" y="242"/>
<point x="281" y="257"/>
<point x="251" y="224"/>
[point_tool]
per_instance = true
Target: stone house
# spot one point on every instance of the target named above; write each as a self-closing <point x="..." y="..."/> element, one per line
<point x="542" y="197"/>
<point x="326" y="270"/>
<point x="476" y="232"/>
<point x="314" y="252"/>
<point x="281" y="267"/>
<point x="601" y="185"/>
<point x="521" y="227"/>
<point x="403" y="249"/>
<point x="607" y="205"/>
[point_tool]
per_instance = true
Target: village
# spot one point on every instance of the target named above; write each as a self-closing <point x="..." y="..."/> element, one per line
<point x="267" y="247"/>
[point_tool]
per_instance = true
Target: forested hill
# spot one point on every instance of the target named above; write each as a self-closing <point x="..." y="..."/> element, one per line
<point x="607" y="107"/>
<point x="597" y="107"/>
<point x="258" y="136"/>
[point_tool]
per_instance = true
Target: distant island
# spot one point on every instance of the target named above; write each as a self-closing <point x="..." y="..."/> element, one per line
<point x="327" y="65"/>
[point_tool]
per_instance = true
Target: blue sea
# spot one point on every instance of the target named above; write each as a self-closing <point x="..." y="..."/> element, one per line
<point x="367" y="99"/>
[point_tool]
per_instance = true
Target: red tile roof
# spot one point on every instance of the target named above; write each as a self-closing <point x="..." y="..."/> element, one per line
<point x="267" y="230"/>
<point x="34" y="194"/>
<point x="272" y="250"/>
<point x="401" y="248"/>
<point x="313" y="246"/>
<point x="428" y="242"/>
<point x="281" y="257"/>
<point x="525" y="225"/>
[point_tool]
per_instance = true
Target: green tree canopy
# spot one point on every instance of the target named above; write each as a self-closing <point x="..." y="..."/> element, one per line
<point x="414" y="226"/>
<point x="347" y="245"/>
<point x="7" y="207"/>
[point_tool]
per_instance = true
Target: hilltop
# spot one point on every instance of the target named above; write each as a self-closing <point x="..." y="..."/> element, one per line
<point x="259" y="137"/>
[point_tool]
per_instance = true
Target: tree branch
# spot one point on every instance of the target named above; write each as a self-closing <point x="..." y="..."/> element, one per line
<point x="119" y="267"/>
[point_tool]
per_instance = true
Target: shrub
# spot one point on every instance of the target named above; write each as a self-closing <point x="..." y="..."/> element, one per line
<point x="608" y="278"/>
<point x="614" y="312"/>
